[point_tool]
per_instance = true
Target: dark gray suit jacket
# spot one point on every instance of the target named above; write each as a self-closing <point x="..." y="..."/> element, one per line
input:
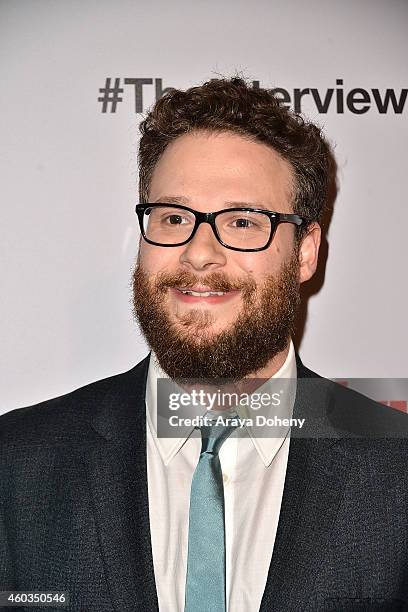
<point x="74" y="511"/>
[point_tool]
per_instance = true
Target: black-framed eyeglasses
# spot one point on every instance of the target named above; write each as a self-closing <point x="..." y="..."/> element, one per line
<point x="239" y="229"/>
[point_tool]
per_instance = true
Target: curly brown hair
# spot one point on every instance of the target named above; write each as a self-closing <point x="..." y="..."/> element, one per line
<point x="232" y="105"/>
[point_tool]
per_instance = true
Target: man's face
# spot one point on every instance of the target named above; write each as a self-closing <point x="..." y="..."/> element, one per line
<point x="235" y="334"/>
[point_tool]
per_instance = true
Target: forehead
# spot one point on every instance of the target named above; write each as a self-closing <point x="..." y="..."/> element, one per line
<point x="213" y="169"/>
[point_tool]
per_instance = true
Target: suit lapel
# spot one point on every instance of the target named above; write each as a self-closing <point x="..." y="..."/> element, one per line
<point x="117" y="473"/>
<point x="316" y="476"/>
<point x="315" y="480"/>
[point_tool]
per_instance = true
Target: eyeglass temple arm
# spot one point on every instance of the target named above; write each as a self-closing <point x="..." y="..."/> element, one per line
<point x="291" y="218"/>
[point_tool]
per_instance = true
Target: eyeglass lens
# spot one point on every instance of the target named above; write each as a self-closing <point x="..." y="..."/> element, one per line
<point x="239" y="229"/>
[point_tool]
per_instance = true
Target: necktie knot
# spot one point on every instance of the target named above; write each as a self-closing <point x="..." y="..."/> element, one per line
<point x="213" y="437"/>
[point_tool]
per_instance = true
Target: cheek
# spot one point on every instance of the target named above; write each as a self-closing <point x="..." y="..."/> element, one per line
<point x="146" y="256"/>
<point x="149" y="259"/>
<point x="257" y="265"/>
<point x="266" y="263"/>
<point x="154" y="259"/>
<point x="283" y="241"/>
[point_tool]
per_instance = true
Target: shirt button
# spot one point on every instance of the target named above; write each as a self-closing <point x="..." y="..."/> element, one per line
<point x="225" y="478"/>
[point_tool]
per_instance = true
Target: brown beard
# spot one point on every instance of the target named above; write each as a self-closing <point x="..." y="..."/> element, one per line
<point x="184" y="347"/>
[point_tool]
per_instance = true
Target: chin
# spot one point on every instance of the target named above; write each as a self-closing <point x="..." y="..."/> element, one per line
<point x="200" y="330"/>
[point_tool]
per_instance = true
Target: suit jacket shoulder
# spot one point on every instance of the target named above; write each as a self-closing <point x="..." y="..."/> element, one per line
<point x="334" y="411"/>
<point x="67" y="418"/>
<point x="73" y="497"/>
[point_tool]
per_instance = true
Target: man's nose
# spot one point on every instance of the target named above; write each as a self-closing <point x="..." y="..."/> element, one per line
<point x="204" y="251"/>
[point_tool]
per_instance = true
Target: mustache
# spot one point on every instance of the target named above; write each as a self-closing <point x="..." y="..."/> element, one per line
<point x="216" y="281"/>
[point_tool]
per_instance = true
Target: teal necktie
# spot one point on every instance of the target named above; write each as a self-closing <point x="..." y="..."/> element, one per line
<point x="205" y="584"/>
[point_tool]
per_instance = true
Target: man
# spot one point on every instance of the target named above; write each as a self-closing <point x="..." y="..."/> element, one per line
<point x="96" y="503"/>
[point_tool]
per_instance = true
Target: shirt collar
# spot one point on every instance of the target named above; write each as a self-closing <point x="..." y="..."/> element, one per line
<point x="266" y="447"/>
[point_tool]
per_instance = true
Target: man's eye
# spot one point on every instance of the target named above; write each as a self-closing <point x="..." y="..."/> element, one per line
<point x="175" y="219"/>
<point x="242" y="222"/>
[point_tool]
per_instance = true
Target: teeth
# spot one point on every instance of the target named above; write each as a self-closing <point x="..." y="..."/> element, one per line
<point x="202" y="293"/>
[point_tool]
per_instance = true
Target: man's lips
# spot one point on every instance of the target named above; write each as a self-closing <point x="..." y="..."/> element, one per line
<point x="206" y="295"/>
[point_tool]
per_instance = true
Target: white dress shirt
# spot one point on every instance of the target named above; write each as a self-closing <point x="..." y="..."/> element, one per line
<point x="254" y="472"/>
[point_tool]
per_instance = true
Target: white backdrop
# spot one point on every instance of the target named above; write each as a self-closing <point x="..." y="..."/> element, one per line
<point x="69" y="180"/>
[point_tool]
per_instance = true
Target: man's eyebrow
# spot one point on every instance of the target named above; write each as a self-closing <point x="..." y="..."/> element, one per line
<point x="169" y="199"/>
<point x="229" y="204"/>
<point x="246" y="205"/>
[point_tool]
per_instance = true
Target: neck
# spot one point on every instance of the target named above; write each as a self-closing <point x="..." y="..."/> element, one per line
<point x="273" y="365"/>
<point x="256" y="379"/>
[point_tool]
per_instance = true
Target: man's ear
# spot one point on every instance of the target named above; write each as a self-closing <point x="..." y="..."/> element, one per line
<point x="309" y="251"/>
